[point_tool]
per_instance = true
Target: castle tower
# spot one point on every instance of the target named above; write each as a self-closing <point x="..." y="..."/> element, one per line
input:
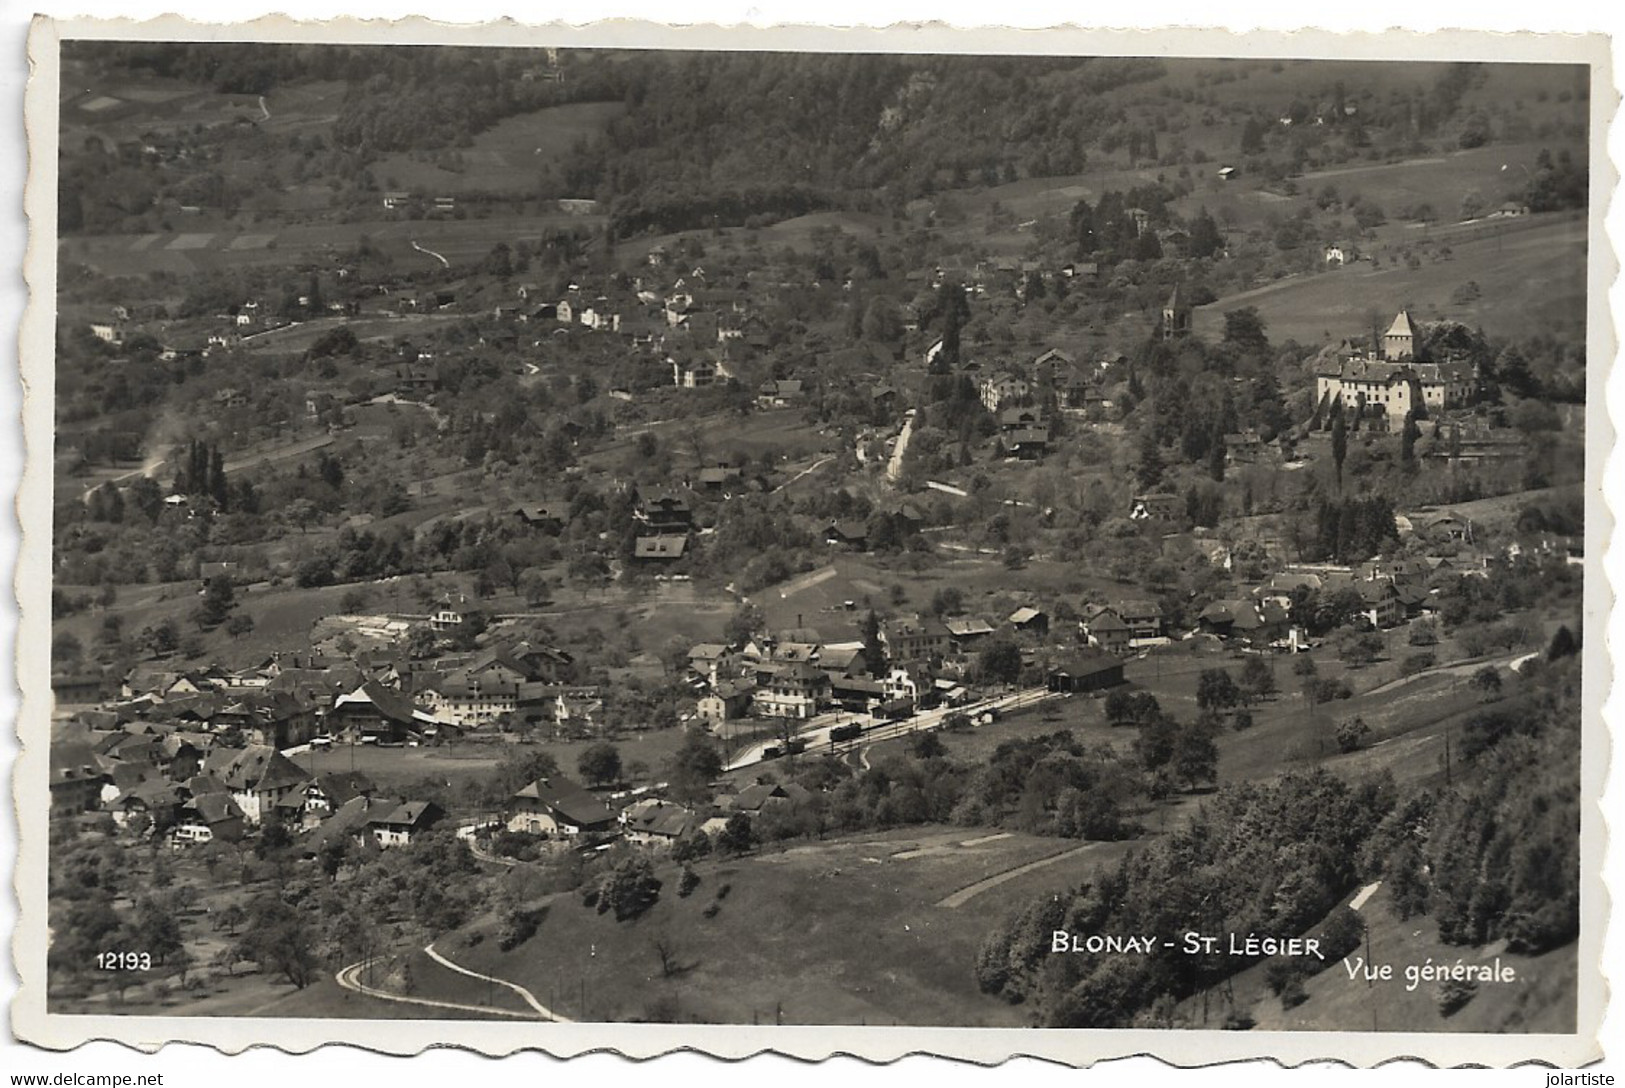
<point x="1399" y="342"/>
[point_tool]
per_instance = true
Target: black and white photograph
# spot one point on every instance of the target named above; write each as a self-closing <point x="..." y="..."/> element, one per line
<point x="626" y="533"/>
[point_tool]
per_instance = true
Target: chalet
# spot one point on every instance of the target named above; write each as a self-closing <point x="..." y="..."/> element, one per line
<point x="324" y="795"/>
<point x="80" y="688"/>
<point x="1243" y="448"/>
<point x="558" y="806"/>
<point x="396" y="200"/>
<point x="853" y="535"/>
<point x="1087" y="671"/>
<point x="403" y="823"/>
<point x="1018" y="419"/>
<point x="726" y="701"/>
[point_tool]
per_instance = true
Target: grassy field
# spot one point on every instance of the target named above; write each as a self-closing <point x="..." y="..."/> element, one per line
<point x="1530" y="280"/>
<point x="907" y="961"/>
<point x="507" y="157"/>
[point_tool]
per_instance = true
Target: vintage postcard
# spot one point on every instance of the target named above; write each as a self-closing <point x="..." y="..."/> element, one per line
<point x="819" y="541"/>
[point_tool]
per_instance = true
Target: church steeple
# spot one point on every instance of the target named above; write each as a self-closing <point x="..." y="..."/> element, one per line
<point x="1176" y="316"/>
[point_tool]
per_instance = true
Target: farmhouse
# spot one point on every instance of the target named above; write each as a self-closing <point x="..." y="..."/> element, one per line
<point x="558" y="806"/>
<point x="257" y="777"/>
<point x="398" y="826"/>
<point x="373" y="713"/>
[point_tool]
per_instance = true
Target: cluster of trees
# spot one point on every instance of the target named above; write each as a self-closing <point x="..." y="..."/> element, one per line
<point x="1106" y="232"/>
<point x="1353" y="530"/>
<point x="1271" y="858"/>
<point x="1494" y="853"/>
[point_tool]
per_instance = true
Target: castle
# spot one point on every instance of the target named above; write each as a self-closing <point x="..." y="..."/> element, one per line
<point x="1394" y="384"/>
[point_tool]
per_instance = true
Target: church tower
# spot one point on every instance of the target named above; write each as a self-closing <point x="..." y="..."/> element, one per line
<point x="1176" y="316"/>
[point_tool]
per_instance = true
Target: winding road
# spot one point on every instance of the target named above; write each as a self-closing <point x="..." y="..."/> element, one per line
<point x="431" y="253"/>
<point x="350" y="978"/>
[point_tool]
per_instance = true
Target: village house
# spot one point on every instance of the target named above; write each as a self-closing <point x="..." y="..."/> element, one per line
<point x="206" y="818"/>
<point x="793" y="690"/>
<point x="1157" y="509"/>
<point x="711" y="661"/>
<point x="853" y="535"/>
<point x="967" y="633"/>
<point x="546" y="517"/>
<point x="374" y="714"/>
<point x="558" y="806"/>
<point x="915" y="638"/>
<point x="403" y="823"/>
<point x="1254" y="622"/>
<point x="779" y="393"/>
<point x="1004" y="389"/>
<point x="654" y="822"/>
<point x="726" y="701"/>
<point x="257" y="777"/>
<point x="695" y="373"/>
<point x="662" y="511"/>
<point x="1029" y="621"/>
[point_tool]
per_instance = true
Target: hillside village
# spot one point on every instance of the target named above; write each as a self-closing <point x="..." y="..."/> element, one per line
<point x="550" y="542"/>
